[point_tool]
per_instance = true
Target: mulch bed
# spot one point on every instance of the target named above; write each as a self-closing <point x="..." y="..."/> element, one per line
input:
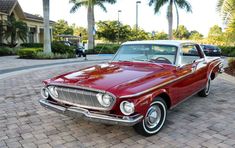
<point x="229" y="71"/>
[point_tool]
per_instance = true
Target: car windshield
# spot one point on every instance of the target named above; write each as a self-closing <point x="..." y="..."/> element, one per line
<point x="150" y="53"/>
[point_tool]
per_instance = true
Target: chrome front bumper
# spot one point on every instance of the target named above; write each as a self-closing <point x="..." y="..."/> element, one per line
<point x="86" y="114"/>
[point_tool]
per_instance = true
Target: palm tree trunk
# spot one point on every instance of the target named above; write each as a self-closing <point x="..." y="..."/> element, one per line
<point x="170" y="19"/>
<point x="47" y="35"/>
<point x="177" y="15"/>
<point x="90" y="20"/>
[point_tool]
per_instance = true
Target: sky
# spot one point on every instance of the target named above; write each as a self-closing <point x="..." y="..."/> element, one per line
<point x="203" y="17"/>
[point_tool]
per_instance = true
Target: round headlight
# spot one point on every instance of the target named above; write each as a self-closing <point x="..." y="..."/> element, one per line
<point x="127" y="108"/>
<point x="44" y="93"/>
<point x="53" y="91"/>
<point x="105" y="100"/>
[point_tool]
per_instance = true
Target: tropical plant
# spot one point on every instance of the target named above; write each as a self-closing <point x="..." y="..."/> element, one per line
<point x="47" y="36"/>
<point x="15" y="30"/>
<point x="226" y="8"/>
<point x="89" y="4"/>
<point x="183" y="4"/>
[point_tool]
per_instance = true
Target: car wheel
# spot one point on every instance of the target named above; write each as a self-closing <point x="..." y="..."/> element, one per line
<point x="154" y="118"/>
<point x="206" y="91"/>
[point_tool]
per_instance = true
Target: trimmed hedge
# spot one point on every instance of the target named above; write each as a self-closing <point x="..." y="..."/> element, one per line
<point x="37" y="53"/>
<point x="29" y="53"/>
<point x="32" y="45"/>
<point x="228" y="50"/>
<point x="6" y="51"/>
<point x="104" y="49"/>
<point x="56" y="47"/>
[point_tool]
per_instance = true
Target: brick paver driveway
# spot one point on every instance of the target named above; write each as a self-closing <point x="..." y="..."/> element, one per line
<point x="198" y="122"/>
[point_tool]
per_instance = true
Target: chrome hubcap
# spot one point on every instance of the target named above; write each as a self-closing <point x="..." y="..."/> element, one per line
<point x="153" y="116"/>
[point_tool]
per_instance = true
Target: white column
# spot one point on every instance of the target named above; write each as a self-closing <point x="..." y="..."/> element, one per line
<point x="37" y="34"/>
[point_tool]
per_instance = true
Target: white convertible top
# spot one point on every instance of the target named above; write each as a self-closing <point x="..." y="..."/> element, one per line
<point x="160" y="42"/>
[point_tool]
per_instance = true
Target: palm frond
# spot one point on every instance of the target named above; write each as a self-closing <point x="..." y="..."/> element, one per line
<point x="226" y="8"/>
<point x="157" y="4"/>
<point x="101" y="5"/>
<point x="184" y="4"/>
<point x="107" y="1"/>
<point x="77" y="4"/>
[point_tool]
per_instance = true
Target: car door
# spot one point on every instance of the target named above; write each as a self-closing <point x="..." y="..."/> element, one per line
<point x="191" y="74"/>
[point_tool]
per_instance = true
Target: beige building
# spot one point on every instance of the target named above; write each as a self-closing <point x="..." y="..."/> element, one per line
<point x="34" y="22"/>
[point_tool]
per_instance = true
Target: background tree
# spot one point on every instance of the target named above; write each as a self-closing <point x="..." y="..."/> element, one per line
<point x="15" y="30"/>
<point x="160" y="36"/>
<point x="215" y="31"/>
<point x="181" y="33"/>
<point x="47" y="35"/>
<point x="82" y="31"/>
<point x="89" y="4"/>
<point x="109" y="31"/>
<point x="158" y="4"/>
<point x="216" y="35"/>
<point x="62" y="27"/>
<point x="195" y="35"/>
<point x="140" y="35"/>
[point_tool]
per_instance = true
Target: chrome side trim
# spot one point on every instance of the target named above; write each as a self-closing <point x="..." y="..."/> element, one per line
<point x="166" y="83"/>
<point x="220" y="67"/>
<point x="156" y="87"/>
<point x="91" y="116"/>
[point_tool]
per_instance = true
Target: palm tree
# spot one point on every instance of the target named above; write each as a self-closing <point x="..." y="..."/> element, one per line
<point x="89" y="4"/>
<point x="183" y="4"/>
<point x="227" y="10"/>
<point x="47" y="35"/>
<point x="15" y="30"/>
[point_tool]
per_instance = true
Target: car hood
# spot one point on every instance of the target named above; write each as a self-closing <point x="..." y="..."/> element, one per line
<point x="113" y="77"/>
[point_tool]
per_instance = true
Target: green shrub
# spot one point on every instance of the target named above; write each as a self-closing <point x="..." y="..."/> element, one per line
<point x="60" y="48"/>
<point x="28" y="53"/>
<point x="228" y="50"/>
<point x="32" y="45"/>
<point x="41" y="55"/>
<point x="104" y="49"/>
<point x="56" y="47"/>
<point x="5" y="51"/>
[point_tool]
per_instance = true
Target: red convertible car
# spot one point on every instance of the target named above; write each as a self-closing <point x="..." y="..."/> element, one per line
<point x="136" y="88"/>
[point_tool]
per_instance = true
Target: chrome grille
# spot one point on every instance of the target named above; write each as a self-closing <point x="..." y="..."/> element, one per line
<point x="78" y="97"/>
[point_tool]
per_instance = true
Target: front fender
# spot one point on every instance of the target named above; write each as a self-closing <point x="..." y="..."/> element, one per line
<point x="142" y="103"/>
